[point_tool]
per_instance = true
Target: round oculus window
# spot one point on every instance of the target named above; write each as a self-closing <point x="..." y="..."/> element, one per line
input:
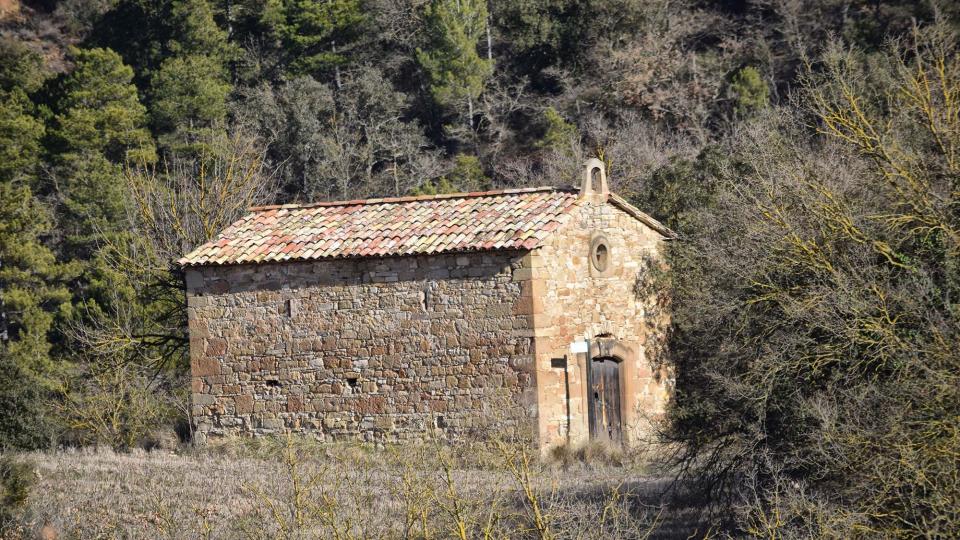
<point x="600" y="254"/>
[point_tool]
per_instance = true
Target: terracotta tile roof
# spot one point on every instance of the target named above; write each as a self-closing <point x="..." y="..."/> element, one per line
<point x="508" y="219"/>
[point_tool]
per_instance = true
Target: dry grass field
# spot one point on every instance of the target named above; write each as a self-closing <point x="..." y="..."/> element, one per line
<point x="296" y="489"/>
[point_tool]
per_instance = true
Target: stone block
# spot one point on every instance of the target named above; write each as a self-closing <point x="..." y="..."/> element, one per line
<point x="243" y="404"/>
<point x="295" y="403"/>
<point x="204" y="366"/>
<point x="522" y="274"/>
<point x="204" y="400"/>
<point x="215" y="347"/>
<point x="271" y="423"/>
<point x="384" y="423"/>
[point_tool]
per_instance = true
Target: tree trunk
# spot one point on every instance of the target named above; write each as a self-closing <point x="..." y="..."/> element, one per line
<point x="489" y="41"/>
<point x="470" y="112"/>
<point x="396" y="179"/>
<point x="336" y="65"/>
<point x="233" y="63"/>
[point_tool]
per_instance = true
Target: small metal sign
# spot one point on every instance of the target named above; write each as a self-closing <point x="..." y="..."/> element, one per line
<point x="578" y="347"/>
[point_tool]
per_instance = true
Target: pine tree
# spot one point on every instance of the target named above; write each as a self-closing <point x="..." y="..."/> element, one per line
<point x="27" y="276"/>
<point x="455" y="72"/>
<point x="182" y="59"/>
<point x="20" y="134"/>
<point x="101" y="126"/>
<point x="20" y="130"/>
<point x="194" y="30"/>
<point x="467" y="175"/>
<point x="557" y="132"/>
<point x="748" y="91"/>
<point x="314" y="36"/>
<point x="188" y="93"/>
<point x="31" y="290"/>
<point x="100" y="110"/>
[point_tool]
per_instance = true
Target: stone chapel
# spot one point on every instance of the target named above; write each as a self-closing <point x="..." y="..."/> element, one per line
<point x="391" y="319"/>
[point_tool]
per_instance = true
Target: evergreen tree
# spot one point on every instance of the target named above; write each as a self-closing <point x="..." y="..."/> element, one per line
<point x="193" y="29"/>
<point x="99" y="110"/>
<point x="314" y="36"/>
<point x="20" y="130"/>
<point x="557" y="132"/>
<point x="188" y="92"/>
<point x="455" y="72"/>
<point x="146" y="33"/>
<point x="31" y="293"/>
<point x="748" y="91"/>
<point x="189" y="95"/>
<point x="538" y="30"/>
<point x="467" y="175"/>
<point x="20" y="134"/>
<point x="28" y="272"/>
<point x="101" y="125"/>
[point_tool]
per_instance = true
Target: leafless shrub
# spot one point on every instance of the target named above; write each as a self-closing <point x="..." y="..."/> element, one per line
<point x="815" y="327"/>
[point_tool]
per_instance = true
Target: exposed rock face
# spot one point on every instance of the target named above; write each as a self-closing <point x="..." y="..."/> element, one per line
<point x="394" y="348"/>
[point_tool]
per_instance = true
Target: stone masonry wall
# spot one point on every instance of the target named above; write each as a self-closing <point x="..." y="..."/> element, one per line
<point x="576" y="302"/>
<point x="373" y="349"/>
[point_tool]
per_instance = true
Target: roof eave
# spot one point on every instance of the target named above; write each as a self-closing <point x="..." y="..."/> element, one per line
<point x="643" y="217"/>
<point x="185" y="264"/>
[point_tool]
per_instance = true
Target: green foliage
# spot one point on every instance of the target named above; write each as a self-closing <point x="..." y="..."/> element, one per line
<point x="188" y="90"/>
<point x="440" y="187"/>
<point x="28" y="276"/>
<point x="678" y="192"/>
<point x="20" y="135"/>
<point x="455" y="72"/>
<point x="146" y="33"/>
<point x="27" y="420"/>
<point x="467" y="175"/>
<point x="541" y="36"/>
<point x="29" y="279"/>
<point x="544" y="33"/>
<point x="194" y="31"/>
<point x="21" y="68"/>
<point x="558" y="133"/>
<point x="17" y="478"/>
<point x="314" y="35"/>
<point x="99" y="110"/>
<point x="100" y="126"/>
<point x="32" y="296"/>
<point x="189" y="93"/>
<point x="748" y="91"/>
<point x="20" y="130"/>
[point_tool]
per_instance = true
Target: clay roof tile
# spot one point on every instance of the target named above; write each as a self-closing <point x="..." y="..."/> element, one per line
<point x="507" y="219"/>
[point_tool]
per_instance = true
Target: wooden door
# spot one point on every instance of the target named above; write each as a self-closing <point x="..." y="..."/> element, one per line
<point x="605" y="400"/>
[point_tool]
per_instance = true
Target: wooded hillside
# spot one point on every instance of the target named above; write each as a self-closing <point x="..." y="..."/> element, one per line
<point x="805" y="150"/>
